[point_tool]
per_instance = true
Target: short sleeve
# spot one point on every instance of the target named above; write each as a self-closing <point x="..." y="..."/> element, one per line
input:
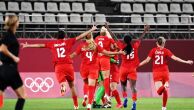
<point x="151" y="53"/>
<point x="137" y="44"/>
<point x="169" y="53"/>
<point x="78" y="50"/>
<point x="112" y="41"/>
<point x="71" y="41"/>
<point x="100" y="49"/>
<point x="119" y="44"/>
<point x="48" y="45"/>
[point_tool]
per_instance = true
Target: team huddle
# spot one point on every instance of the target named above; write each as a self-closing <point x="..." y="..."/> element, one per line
<point x="100" y="69"/>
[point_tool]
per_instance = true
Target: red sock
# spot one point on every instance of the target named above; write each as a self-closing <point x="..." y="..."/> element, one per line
<point x="1" y="101"/>
<point x="124" y="94"/>
<point x="91" y="94"/>
<point x="117" y="97"/>
<point x="134" y="97"/>
<point x="103" y="100"/>
<point x="161" y="90"/>
<point x="85" y="89"/>
<point x="75" y="100"/>
<point x="165" y="98"/>
<point x="107" y="86"/>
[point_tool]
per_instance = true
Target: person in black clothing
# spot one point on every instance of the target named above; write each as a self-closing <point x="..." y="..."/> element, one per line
<point x="9" y="50"/>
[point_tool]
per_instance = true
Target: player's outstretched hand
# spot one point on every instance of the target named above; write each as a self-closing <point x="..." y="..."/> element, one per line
<point x="189" y="62"/>
<point x="94" y="28"/>
<point x="193" y="75"/>
<point x="16" y="59"/>
<point x="24" y="45"/>
<point x="122" y="52"/>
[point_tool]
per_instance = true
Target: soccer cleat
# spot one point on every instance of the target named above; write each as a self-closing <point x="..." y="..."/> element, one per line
<point x="164" y="108"/>
<point x="133" y="106"/>
<point x="63" y="90"/>
<point x="76" y="107"/>
<point x="95" y="105"/>
<point x="89" y="106"/>
<point x="107" y="105"/>
<point x="84" y="102"/>
<point x="125" y="103"/>
<point x="119" y="106"/>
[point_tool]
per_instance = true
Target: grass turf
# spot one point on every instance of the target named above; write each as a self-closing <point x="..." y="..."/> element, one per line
<point x="66" y="104"/>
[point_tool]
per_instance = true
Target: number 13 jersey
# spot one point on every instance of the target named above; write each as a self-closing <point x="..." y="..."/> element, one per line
<point x="61" y="49"/>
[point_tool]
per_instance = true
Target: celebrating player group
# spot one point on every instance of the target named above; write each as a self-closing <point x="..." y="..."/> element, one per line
<point x="99" y="69"/>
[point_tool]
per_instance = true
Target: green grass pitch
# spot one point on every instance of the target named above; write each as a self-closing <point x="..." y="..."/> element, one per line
<point x="66" y="104"/>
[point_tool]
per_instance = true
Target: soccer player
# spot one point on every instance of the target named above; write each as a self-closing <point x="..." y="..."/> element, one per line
<point x="61" y="49"/>
<point x="129" y="65"/>
<point x="90" y="65"/>
<point x="159" y="56"/>
<point x="105" y="42"/>
<point x="9" y="75"/>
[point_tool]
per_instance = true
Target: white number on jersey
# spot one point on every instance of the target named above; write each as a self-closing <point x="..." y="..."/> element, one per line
<point x="131" y="55"/>
<point x="159" y="60"/>
<point x="100" y="44"/>
<point x="61" y="52"/>
<point x="89" y="55"/>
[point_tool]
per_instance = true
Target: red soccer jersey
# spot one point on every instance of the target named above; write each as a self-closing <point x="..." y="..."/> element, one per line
<point x="160" y="59"/>
<point x="61" y="50"/>
<point x="88" y="56"/>
<point x="104" y="42"/>
<point x="131" y="60"/>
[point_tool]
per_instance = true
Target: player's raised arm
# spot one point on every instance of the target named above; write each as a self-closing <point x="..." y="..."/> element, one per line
<point x="113" y="53"/>
<point x="26" y="45"/>
<point x="4" y="50"/>
<point x="86" y="33"/>
<point x="147" y="60"/>
<point x="146" y="28"/>
<point x="181" y="60"/>
<point x="111" y="33"/>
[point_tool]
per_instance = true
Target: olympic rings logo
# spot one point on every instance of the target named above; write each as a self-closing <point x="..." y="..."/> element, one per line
<point x="39" y="84"/>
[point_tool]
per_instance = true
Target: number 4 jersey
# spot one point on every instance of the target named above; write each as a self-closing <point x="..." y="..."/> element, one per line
<point x="61" y="50"/>
<point x="160" y="59"/>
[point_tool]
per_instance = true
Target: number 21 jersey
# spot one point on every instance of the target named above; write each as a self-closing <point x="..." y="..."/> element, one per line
<point x="61" y="49"/>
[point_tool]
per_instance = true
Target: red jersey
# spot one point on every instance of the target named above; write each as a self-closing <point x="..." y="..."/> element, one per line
<point x="88" y="56"/>
<point x="160" y="59"/>
<point x="131" y="60"/>
<point x="61" y="50"/>
<point x="104" y="42"/>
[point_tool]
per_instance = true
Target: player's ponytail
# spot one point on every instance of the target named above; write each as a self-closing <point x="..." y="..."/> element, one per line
<point x="127" y="39"/>
<point x="10" y="22"/>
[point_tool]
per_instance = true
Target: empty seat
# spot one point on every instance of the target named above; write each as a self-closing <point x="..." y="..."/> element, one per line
<point x="77" y="7"/>
<point x="75" y="18"/>
<point x="116" y="0"/>
<point x="90" y="7"/>
<point x="82" y="0"/>
<point x="186" y="19"/>
<point x="63" y="18"/>
<point x="26" y="6"/>
<point x="150" y="8"/>
<point x="190" y="1"/>
<point x="173" y="19"/>
<point x="7" y="14"/>
<point x="100" y="18"/>
<point x="138" y="8"/>
<point x="152" y="0"/>
<point x="165" y="0"/>
<point x="1" y="18"/>
<point x="49" y="18"/>
<point x="125" y="8"/>
<point x="37" y="18"/>
<point x="13" y="6"/>
<point x="2" y="6"/>
<point x="177" y="0"/>
<point x="163" y="8"/>
<point x="39" y="7"/>
<point x="65" y="7"/>
<point x="52" y="7"/>
<point x="187" y="8"/>
<point x="136" y="19"/>
<point x="161" y="19"/>
<point x="175" y="8"/>
<point x="140" y="0"/>
<point x="149" y="18"/>
<point x="127" y="0"/>
<point x="87" y="18"/>
<point x="24" y="17"/>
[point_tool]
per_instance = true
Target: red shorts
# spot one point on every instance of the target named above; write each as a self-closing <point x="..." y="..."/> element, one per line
<point x="114" y="73"/>
<point x="161" y="76"/>
<point x="89" y="71"/>
<point x="128" y="73"/>
<point x="64" y="72"/>
<point x="104" y="63"/>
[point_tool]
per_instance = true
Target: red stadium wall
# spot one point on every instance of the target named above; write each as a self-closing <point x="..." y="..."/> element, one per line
<point x="36" y="64"/>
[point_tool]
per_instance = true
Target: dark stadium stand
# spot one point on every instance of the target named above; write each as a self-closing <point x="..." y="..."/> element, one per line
<point x="164" y="16"/>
